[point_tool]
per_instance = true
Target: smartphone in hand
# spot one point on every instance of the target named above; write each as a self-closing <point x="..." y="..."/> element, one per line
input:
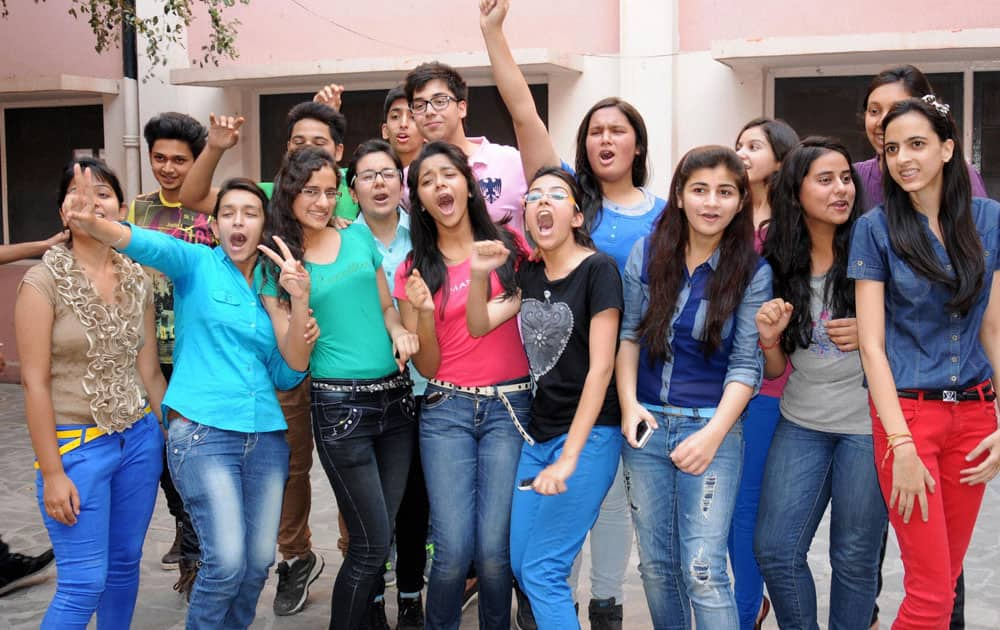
<point x="642" y="433"/>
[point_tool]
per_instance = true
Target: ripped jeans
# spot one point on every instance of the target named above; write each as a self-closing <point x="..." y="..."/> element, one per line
<point x="682" y="524"/>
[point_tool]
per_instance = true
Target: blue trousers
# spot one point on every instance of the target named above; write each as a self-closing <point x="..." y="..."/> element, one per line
<point x="547" y="532"/>
<point x="97" y="559"/>
<point x="758" y="430"/>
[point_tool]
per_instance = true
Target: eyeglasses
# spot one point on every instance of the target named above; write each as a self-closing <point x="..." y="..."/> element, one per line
<point x="313" y="194"/>
<point x="438" y="102"/>
<point x="556" y="194"/>
<point x="368" y="177"/>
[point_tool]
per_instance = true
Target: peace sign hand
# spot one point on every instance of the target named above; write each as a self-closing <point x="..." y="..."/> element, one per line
<point x="79" y="206"/>
<point x="224" y="131"/>
<point x="294" y="278"/>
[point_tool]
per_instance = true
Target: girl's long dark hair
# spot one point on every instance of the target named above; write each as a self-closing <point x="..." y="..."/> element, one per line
<point x="666" y="262"/>
<point x="961" y="240"/>
<point x="788" y="247"/>
<point x="780" y="135"/>
<point x="426" y="257"/>
<point x="581" y="235"/>
<point x="296" y="169"/>
<point x="591" y="193"/>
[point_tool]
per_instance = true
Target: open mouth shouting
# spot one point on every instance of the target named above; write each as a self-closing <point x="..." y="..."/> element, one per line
<point x="237" y="242"/>
<point x="545" y="221"/>
<point x="445" y="203"/>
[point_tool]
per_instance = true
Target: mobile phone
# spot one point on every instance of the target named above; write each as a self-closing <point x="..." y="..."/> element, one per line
<point x="642" y="433"/>
<point x="525" y="484"/>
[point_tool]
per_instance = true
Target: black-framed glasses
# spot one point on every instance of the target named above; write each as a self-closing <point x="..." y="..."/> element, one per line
<point x="367" y="177"/>
<point x="438" y="102"/>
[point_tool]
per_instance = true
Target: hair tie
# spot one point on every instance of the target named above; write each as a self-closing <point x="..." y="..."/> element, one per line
<point x="942" y="108"/>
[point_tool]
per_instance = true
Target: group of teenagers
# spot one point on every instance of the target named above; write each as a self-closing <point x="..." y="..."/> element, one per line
<point x="522" y="351"/>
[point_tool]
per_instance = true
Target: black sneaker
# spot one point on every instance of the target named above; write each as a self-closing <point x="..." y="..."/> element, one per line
<point x="524" y="619"/>
<point x="293" y="583"/>
<point x="411" y="613"/>
<point x="170" y="559"/>
<point x="18" y="571"/>
<point x="605" y="614"/>
<point x="376" y="619"/>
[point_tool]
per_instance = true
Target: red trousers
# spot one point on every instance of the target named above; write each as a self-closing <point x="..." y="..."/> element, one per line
<point x="933" y="551"/>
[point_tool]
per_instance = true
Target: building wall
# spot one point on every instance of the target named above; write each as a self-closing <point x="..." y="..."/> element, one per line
<point x="702" y="21"/>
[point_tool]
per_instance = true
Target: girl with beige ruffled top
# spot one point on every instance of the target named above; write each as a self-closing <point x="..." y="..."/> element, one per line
<point x="92" y="387"/>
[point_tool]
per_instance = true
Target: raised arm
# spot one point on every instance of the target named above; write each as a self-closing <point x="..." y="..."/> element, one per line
<point x="34" y="249"/>
<point x="197" y="192"/>
<point x="533" y="138"/>
<point x="290" y="331"/>
<point x="482" y="314"/>
<point x="772" y="319"/>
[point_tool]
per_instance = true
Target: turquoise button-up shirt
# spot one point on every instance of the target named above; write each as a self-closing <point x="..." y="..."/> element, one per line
<point x="226" y="359"/>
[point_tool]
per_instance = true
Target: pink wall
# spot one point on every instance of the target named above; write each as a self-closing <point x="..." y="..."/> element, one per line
<point x="41" y="39"/>
<point x="290" y="33"/>
<point x="701" y="21"/>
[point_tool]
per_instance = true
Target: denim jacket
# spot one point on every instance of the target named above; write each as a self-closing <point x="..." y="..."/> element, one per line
<point x="929" y="346"/>
<point x="688" y="379"/>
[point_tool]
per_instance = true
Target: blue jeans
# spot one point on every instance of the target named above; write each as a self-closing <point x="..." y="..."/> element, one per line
<point x="470" y="448"/>
<point x="232" y="484"/>
<point x="365" y="443"/>
<point x="758" y="429"/>
<point x="98" y="558"/>
<point x="806" y="470"/>
<point x="547" y="532"/>
<point x="682" y="522"/>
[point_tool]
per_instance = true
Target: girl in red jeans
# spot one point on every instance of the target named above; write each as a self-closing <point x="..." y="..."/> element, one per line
<point x="929" y="332"/>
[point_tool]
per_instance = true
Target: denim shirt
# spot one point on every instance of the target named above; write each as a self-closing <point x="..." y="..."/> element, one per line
<point x="226" y="359"/>
<point x="929" y="346"/>
<point x="688" y="379"/>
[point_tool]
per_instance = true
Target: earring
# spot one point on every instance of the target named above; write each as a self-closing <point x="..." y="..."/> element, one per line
<point x="470" y="194"/>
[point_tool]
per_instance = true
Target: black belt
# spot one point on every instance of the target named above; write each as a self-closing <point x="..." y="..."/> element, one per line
<point x="951" y="395"/>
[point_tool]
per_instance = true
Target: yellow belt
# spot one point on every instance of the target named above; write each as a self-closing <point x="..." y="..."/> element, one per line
<point x="82" y="435"/>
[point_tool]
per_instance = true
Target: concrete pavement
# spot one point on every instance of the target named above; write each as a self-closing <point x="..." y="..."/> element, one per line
<point x="160" y="608"/>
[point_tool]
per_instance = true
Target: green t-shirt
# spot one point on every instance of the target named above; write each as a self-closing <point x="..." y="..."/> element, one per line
<point x="353" y="341"/>
<point x="346" y="206"/>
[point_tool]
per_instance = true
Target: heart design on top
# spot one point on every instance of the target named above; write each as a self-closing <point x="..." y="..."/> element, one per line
<point x="545" y="329"/>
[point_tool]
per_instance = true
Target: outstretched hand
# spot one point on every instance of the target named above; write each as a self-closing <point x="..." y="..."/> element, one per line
<point x="492" y="13"/>
<point x="294" y="278"/>
<point x="224" y="131"/>
<point x="330" y="95"/>
<point x="80" y="204"/>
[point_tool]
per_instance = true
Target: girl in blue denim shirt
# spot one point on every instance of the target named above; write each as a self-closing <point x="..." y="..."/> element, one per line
<point x="687" y="367"/>
<point x="929" y="329"/>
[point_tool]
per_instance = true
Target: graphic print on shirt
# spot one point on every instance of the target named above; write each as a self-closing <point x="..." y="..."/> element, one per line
<point x="492" y="188"/>
<point x="545" y="329"/>
<point x="821" y="344"/>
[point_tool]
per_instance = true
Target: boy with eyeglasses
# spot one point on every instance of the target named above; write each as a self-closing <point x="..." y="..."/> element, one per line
<point x="438" y="99"/>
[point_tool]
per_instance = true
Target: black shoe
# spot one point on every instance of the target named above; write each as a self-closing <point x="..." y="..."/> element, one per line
<point x="188" y="572"/>
<point x="524" y="619"/>
<point x="411" y="613"/>
<point x="605" y="614"/>
<point x="293" y="583"/>
<point x="376" y="619"/>
<point x="18" y="571"/>
<point x="170" y="559"/>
